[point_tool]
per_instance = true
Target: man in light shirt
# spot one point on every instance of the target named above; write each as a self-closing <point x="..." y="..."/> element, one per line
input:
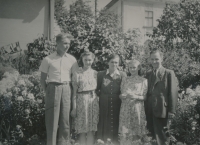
<point x="56" y="70"/>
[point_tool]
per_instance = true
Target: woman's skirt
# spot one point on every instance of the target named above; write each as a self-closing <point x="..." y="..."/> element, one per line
<point x="87" y="112"/>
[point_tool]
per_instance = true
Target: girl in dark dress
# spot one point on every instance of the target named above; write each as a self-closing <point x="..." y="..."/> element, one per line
<point x="108" y="90"/>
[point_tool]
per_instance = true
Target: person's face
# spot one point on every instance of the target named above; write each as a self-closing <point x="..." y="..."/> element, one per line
<point x="63" y="45"/>
<point x="133" y="68"/>
<point x="113" y="63"/>
<point x="87" y="60"/>
<point x="156" y="60"/>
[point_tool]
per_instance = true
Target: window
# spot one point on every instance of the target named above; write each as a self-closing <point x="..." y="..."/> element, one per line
<point x="148" y="18"/>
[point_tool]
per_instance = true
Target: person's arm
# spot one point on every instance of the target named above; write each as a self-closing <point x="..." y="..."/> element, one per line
<point x="144" y="91"/>
<point x="74" y="91"/>
<point x="44" y="68"/>
<point x="43" y="81"/>
<point x="122" y="95"/>
<point x="139" y="96"/>
<point x="75" y="67"/>
<point x="99" y="82"/>
<point x="173" y="94"/>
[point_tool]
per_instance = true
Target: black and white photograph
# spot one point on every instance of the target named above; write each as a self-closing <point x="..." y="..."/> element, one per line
<point x="99" y="72"/>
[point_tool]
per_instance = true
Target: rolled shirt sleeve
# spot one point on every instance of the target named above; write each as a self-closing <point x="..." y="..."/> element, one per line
<point x="44" y="67"/>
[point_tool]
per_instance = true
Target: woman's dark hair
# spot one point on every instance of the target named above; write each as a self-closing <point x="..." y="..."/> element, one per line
<point x="85" y="53"/>
<point x="113" y="56"/>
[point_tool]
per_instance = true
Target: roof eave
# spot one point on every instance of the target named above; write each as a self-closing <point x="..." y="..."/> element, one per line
<point x="110" y="4"/>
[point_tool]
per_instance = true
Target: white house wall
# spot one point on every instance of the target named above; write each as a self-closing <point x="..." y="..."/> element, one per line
<point x="134" y="15"/>
<point x="23" y="20"/>
<point x="116" y="9"/>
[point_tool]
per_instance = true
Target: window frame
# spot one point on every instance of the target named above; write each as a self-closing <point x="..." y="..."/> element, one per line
<point x="147" y="18"/>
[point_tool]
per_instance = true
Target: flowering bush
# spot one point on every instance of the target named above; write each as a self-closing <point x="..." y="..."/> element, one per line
<point x="37" y="50"/>
<point x="21" y="108"/>
<point x="185" y="126"/>
<point x="101" y="34"/>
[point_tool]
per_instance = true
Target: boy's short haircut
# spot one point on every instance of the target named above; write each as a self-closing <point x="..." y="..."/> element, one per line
<point x="63" y="36"/>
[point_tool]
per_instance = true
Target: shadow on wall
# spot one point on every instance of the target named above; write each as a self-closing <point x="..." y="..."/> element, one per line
<point x="27" y="10"/>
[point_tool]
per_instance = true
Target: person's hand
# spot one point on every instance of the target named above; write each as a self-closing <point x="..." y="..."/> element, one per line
<point x="170" y="115"/>
<point x="131" y="96"/>
<point x="122" y="96"/>
<point x="73" y="113"/>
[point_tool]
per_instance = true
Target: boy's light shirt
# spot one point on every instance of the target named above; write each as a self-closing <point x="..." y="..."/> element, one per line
<point x="59" y="69"/>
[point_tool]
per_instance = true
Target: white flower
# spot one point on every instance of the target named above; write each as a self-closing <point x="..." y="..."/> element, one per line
<point x="21" y="83"/>
<point x="39" y="101"/>
<point x="30" y="96"/>
<point x="190" y="92"/>
<point x="197" y="116"/>
<point x="18" y="127"/>
<point x="108" y="139"/>
<point x="27" y="111"/>
<point x="193" y="128"/>
<point x="194" y="123"/>
<point x="124" y="130"/>
<point x="9" y="94"/>
<point x="20" y="98"/>
<point x="96" y="51"/>
<point x="24" y="93"/>
<point x="6" y="74"/>
<point x="197" y="90"/>
<point x="16" y="90"/>
<point x="100" y="141"/>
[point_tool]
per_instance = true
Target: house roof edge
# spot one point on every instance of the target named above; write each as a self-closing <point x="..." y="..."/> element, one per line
<point x="110" y="4"/>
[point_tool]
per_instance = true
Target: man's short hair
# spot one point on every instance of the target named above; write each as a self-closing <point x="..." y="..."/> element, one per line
<point x="60" y="37"/>
<point x="156" y="50"/>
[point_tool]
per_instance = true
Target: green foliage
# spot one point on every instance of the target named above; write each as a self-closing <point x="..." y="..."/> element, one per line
<point x="37" y="50"/>
<point x="15" y="61"/>
<point x="21" y="108"/>
<point x="186" y="70"/>
<point x="177" y="35"/>
<point x="5" y="68"/>
<point x="178" y="59"/>
<point x="185" y="126"/>
<point x="102" y="35"/>
<point x="180" y="23"/>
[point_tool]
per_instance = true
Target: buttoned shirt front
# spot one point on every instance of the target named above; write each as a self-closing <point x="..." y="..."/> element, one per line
<point x="58" y="68"/>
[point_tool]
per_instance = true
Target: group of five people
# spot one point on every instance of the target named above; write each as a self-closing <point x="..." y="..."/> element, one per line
<point x="105" y="104"/>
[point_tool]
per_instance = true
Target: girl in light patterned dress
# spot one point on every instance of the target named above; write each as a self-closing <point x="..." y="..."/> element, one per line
<point x="132" y="120"/>
<point x="85" y="107"/>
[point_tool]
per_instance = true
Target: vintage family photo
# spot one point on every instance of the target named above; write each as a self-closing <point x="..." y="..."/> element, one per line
<point x="100" y="72"/>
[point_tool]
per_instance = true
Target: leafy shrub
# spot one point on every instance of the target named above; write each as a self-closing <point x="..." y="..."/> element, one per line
<point x="101" y="35"/>
<point x="4" y="69"/>
<point x="178" y="59"/>
<point x="186" y="70"/>
<point x="37" y="50"/>
<point x="21" y="108"/>
<point x="185" y="126"/>
<point x="178" y="31"/>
